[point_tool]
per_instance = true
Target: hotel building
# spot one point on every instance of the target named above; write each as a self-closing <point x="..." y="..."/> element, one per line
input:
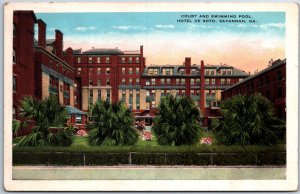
<point x="270" y="82"/>
<point x="79" y="78"/>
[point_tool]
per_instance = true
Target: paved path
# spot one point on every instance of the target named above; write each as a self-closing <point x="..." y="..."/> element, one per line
<point x="147" y="173"/>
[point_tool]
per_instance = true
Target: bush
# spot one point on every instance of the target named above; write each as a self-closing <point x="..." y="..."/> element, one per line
<point x="248" y="120"/>
<point x="111" y="124"/>
<point x="177" y="121"/>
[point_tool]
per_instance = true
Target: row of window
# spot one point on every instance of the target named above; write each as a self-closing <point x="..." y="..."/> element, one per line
<point x="91" y="95"/>
<point x="218" y="72"/>
<point x="100" y="60"/>
<point x="130" y="99"/>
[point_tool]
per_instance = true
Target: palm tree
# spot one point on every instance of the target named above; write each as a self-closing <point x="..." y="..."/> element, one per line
<point x="44" y="114"/>
<point x="111" y="124"/>
<point x="177" y="121"/>
<point x="248" y="120"/>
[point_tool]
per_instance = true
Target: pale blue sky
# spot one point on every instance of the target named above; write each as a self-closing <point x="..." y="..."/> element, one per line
<point x="248" y="46"/>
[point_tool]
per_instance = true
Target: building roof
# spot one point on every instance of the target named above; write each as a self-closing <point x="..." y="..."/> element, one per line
<point x="73" y="110"/>
<point x="176" y="68"/>
<point x="274" y="65"/>
<point x="50" y="41"/>
<point x="104" y="51"/>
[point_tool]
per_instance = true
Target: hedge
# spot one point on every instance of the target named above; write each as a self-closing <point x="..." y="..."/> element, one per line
<point x="136" y="158"/>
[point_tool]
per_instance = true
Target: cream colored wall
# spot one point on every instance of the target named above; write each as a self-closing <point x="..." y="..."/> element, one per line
<point x="143" y="103"/>
<point x="71" y="95"/>
<point x="134" y="100"/>
<point x="85" y="98"/>
<point x="45" y="85"/>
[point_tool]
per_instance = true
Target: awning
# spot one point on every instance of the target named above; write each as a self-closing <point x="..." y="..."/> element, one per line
<point x="73" y="110"/>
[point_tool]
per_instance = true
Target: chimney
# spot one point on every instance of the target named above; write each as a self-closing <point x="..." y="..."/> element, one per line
<point x="41" y="33"/>
<point x="58" y="43"/>
<point x="142" y="50"/>
<point x="69" y="56"/>
<point x="187" y="64"/>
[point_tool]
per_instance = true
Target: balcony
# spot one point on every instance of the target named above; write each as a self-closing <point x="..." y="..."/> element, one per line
<point x="150" y="98"/>
<point x="53" y="89"/>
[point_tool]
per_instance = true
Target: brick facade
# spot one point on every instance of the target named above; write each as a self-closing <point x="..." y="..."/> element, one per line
<point x="270" y="82"/>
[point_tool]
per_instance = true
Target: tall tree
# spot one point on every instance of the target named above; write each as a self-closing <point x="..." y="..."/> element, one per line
<point x="248" y="120"/>
<point x="111" y="124"/>
<point x="177" y="121"/>
<point x="44" y="114"/>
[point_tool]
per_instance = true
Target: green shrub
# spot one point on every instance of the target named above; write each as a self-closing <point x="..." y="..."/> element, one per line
<point x="177" y="121"/>
<point x="111" y="124"/>
<point x="248" y="120"/>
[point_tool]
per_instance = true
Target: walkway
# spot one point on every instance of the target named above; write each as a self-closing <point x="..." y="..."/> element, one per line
<point x="148" y="173"/>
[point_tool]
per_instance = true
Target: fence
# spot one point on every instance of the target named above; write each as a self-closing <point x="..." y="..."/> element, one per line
<point x="137" y="158"/>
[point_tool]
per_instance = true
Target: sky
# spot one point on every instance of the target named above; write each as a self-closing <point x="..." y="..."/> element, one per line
<point x="247" y="44"/>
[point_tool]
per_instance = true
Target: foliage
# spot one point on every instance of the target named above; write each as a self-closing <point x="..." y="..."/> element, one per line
<point x="248" y="120"/>
<point x="111" y="124"/>
<point x="177" y="121"/>
<point x="45" y="114"/>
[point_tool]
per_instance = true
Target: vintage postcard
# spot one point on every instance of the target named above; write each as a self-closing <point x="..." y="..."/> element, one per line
<point x="151" y="96"/>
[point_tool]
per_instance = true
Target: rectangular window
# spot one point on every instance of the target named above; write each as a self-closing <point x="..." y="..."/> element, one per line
<point x="107" y="60"/>
<point x="137" y="59"/>
<point x="108" y="95"/>
<point x="207" y="72"/>
<point x="155" y="71"/>
<point x="177" y="81"/>
<point x="147" y="93"/>
<point x="212" y="72"/>
<point x="168" y="72"/>
<point x="98" y="70"/>
<point x="78" y="60"/>
<point x="130" y="60"/>
<point x="206" y="81"/>
<point x="153" y="105"/>
<point x="152" y="81"/>
<point x="90" y="59"/>
<point x="130" y="71"/>
<point x="123" y="95"/>
<point x="182" y="81"/>
<point x="150" y="71"/>
<point x="168" y="81"/>
<point x="107" y="81"/>
<point x="197" y="80"/>
<point x="123" y="82"/>
<point x="130" y="100"/>
<point x="147" y="82"/>
<point x="183" y="92"/>
<point x="90" y="81"/>
<point x="98" y="60"/>
<point x="99" y="82"/>
<point x="213" y="81"/>
<point x="14" y="56"/>
<point x="192" y="81"/>
<point x="123" y="71"/>
<point x="91" y="97"/>
<point x="79" y="70"/>
<point x="193" y="71"/>
<point x="162" y="81"/>
<point x="137" y="82"/>
<point x="107" y="71"/>
<point x="14" y="83"/>
<point x="123" y="60"/>
<point x="224" y="72"/>
<point x="228" y="81"/>
<point x="99" y="94"/>
<point x="137" y="70"/>
<point x="229" y="72"/>
<point x="222" y="81"/>
<point x="91" y="71"/>
<point x="130" y="81"/>
<point x="182" y="71"/>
